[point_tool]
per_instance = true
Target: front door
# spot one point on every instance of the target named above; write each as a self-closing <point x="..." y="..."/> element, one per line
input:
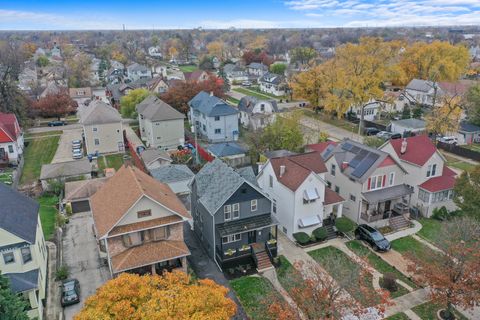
<point x="252" y="237"/>
<point x="388" y="205"/>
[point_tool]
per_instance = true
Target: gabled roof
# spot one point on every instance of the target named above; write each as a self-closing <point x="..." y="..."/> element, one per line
<point x="154" y="109"/>
<point x="272" y="78"/>
<point x="278" y="153"/>
<point x="226" y="149"/>
<point x="23" y="281"/>
<point x="172" y="173"/>
<point x="247" y="103"/>
<point x="457" y="88"/>
<point x="331" y="197"/>
<point x="65" y="169"/>
<point x="150" y="155"/>
<point x="419" y="149"/>
<point x="468" y="127"/>
<point x="194" y="75"/>
<point x="83" y="189"/>
<point x="134" y="67"/>
<point x="321" y="146"/>
<point x="256" y="65"/>
<point x="444" y="182"/>
<point x="9" y="128"/>
<point x="297" y="168"/>
<point x="420" y="85"/>
<point x="210" y="105"/>
<point x="122" y="191"/>
<point x="18" y="214"/>
<point x="98" y="112"/>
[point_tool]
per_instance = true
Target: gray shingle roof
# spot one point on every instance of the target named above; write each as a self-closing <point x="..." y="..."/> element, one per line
<point x="256" y="65"/>
<point x="247" y="103"/>
<point x="98" y="112"/>
<point x="18" y="214"/>
<point x="150" y="155"/>
<point x="154" y="109"/>
<point x="272" y="78"/>
<point x="226" y="149"/>
<point x="468" y="127"/>
<point x="420" y="85"/>
<point x="389" y="193"/>
<point x="245" y="225"/>
<point x="172" y="173"/>
<point x="211" y="106"/>
<point x="65" y="169"/>
<point x="411" y="123"/>
<point x="20" y="282"/>
<point x="134" y="67"/>
<point x="248" y="174"/>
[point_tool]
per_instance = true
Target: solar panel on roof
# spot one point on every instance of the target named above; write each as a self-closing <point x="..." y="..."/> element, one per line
<point x="328" y="151"/>
<point x="347" y="146"/>
<point x="365" y="164"/>
<point x="355" y="149"/>
<point x="358" y="158"/>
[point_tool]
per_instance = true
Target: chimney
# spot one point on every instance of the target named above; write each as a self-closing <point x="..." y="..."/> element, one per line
<point x="344" y="165"/>
<point x="403" y="148"/>
<point x="282" y="171"/>
<point x="211" y="93"/>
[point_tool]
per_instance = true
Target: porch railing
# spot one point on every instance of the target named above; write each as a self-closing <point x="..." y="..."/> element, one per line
<point x="232" y="253"/>
<point x="371" y="218"/>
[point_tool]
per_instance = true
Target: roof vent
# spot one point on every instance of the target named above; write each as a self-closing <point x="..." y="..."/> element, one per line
<point x="282" y="171"/>
<point x="403" y="148"/>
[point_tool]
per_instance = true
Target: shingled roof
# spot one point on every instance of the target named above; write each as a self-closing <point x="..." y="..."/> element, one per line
<point x="154" y="109"/>
<point x="98" y="112"/>
<point x="211" y="105"/>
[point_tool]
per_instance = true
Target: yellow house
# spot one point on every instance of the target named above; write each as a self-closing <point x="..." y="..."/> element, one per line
<point x="23" y="254"/>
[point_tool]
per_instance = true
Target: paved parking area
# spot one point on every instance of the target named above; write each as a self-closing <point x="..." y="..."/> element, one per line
<point x="80" y="254"/>
<point x="64" y="150"/>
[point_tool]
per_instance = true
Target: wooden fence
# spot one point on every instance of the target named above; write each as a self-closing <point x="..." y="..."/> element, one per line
<point x="459" y="150"/>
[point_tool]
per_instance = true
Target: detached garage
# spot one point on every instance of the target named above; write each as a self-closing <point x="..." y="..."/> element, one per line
<point x="77" y="193"/>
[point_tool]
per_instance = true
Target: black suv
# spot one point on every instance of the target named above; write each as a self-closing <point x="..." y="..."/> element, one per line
<point x="70" y="292"/>
<point x="373" y="237"/>
<point x="371" y="131"/>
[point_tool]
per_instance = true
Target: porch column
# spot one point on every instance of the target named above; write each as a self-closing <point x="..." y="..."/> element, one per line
<point x="340" y="210"/>
<point x="154" y="272"/>
<point x="184" y="264"/>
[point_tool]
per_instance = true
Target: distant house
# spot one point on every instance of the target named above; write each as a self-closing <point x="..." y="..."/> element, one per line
<point x="155" y="52"/>
<point x="230" y="152"/>
<point x="22" y="249"/>
<point x="407" y="125"/>
<point x="213" y="118"/>
<point x="154" y="158"/>
<point x="235" y="73"/>
<point x="81" y="95"/>
<point x="158" y="85"/>
<point x="138" y="223"/>
<point x="272" y="83"/>
<point x="176" y="176"/>
<point x="468" y="133"/>
<point x="255" y="113"/>
<point x="52" y="88"/>
<point x="257" y="69"/>
<point x="137" y="71"/>
<point x="196" y="76"/>
<point x="102" y="128"/>
<point x="64" y="171"/>
<point x="161" y="126"/>
<point x="422" y="92"/>
<point x="95" y="71"/>
<point x="11" y="139"/>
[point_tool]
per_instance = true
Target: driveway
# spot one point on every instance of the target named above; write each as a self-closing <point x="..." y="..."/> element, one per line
<point x="204" y="267"/>
<point x="80" y="254"/>
<point x="64" y="150"/>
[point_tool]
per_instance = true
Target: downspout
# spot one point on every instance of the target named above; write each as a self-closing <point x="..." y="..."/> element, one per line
<point x="214" y="246"/>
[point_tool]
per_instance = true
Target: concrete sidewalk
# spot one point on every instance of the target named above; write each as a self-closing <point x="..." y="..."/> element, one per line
<point x="408" y="301"/>
<point x="405" y="232"/>
<point x="53" y="307"/>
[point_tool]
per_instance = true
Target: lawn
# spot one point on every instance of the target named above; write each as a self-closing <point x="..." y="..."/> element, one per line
<point x="233" y="101"/>
<point x="473" y="146"/>
<point x="48" y="212"/>
<point x="257" y="89"/>
<point x="255" y="295"/>
<point x="398" y="316"/>
<point x="327" y="253"/>
<point x="429" y="310"/>
<point x="341" y="123"/>
<point x="6" y="176"/>
<point x="38" y="152"/>
<point x="377" y="263"/>
<point x="408" y="244"/>
<point x="188" y="68"/>
<point x="252" y="93"/>
<point x="110" y="161"/>
<point x="458" y="164"/>
<point x="42" y="134"/>
<point x="430" y="229"/>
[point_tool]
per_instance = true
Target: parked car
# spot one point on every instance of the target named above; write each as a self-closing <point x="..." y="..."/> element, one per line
<point x="76" y="144"/>
<point x="77" y="154"/>
<point x="373" y="237"/>
<point x="396" y="136"/>
<point x="449" y="140"/>
<point x="246" y="83"/>
<point x="385" y="135"/>
<point x="70" y="292"/>
<point x="371" y="131"/>
<point x="56" y="123"/>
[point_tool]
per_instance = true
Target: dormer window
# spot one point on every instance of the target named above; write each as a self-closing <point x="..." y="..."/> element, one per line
<point x="431" y="170"/>
<point x="144" y="214"/>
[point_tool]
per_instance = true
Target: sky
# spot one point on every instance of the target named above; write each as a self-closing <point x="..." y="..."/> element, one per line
<point x="222" y="14"/>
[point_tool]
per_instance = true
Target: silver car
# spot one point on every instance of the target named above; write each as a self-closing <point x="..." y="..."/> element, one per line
<point x="385" y="135"/>
<point x="77" y="154"/>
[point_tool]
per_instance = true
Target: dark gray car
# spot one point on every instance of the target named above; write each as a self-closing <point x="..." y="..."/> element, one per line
<point x="70" y="292"/>
<point x="373" y="237"/>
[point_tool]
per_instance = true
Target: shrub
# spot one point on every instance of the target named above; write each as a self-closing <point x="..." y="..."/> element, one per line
<point x="441" y="214"/>
<point x="62" y="273"/>
<point x="323" y="136"/>
<point x="68" y="209"/>
<point x="389" y="282"/>
<point x="301" y="237"/>
<point x="320" y="233"/>
<point x="344" y="224"/>
<point x="373" y="141"/>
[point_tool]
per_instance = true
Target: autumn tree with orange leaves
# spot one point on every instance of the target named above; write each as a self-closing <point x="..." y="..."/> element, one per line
<point x="171" y="296"/>
<point x="55" y="105"/>
<point x="454" y="276"/>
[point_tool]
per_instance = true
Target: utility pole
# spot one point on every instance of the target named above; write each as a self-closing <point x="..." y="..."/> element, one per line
<point x="194" y="129"/>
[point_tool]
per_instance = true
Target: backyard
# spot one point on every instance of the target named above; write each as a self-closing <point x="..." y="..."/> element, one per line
<point x="341" y="123"/>
<point x="110" y="161"/>
<point x="48" y="212"/>
<point x="188" y="68"/>
<point x="40" y="151"/>
<point x="253" y="93"/>
<point x="458" y="164"/>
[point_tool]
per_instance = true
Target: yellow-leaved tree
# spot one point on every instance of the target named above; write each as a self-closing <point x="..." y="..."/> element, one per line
<point x="445" y="118"/>
<point x="216" y="48"/>
<point x="171" y="296"/>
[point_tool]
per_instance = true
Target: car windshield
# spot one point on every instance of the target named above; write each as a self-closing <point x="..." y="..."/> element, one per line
<point x="377" y="236"/>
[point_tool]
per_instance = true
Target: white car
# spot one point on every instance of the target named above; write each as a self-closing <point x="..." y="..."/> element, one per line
<point x="77" y="154"/>
<point x="449" y="140"/>
<point x="246" y="83"/>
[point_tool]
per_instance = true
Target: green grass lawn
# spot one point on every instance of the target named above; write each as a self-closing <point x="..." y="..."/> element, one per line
<point x="398" y="316"/>
<point x="255" y="295"/>
<point x="233" y="101"/>
<point x="430" y="228"/>
<point x="48" y="212"/>
<point x="253" y="93"/>
<point x="257" y="89"/>
<point x="341" y="123"/>
<point x="473" y="146"/>
<point x="188" y="68"/>
<point x="458" y="164"/>
<point x="409" y="245"/>
<point x="429" y="310"/>
<point x="6" y="176"/>
<point x="377" y="263"/>
<point x="39" y="151"/>
<point x="42" y="134"/>
<point x="112" y="161"/>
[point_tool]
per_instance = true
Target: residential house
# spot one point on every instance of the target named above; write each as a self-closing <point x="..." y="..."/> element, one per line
<point x="22" y="248"/>
<point x="81" y="95"/>
<point x="232" y="216"/>
<point x="154" y="158"/>
<point x="427" y="173"/>
<point x="235" y="73"/>
<point x="407" y="125"/>
<point x="155" y="51"/>
<point x="213" y="118"/>
<point x="423" y="92"/>
<point x="257" y="69"/>
<point x="272" y="83"/>
<point x="468" y="133"/>
<point x="230" y="152"/>
<point x="301" y="201"/>
<point x="65" y="171"/>
<point x="370" y="180"/>
<point x="102" y="128"/>
<point x="78" y="193"/>
<point x="160" y="125"/>
<point x="95" y="74"/>
<point x="52" y="88"/>
<point x="27" y="79"/>
<point x="158" y="85"/>
<point x="196" y="76"/>
<point x="137" y="71"/>
<point x="256" y="113"/>
<point x="176" y="176"/>
<point x="11" y="139"/>
<point x="138" y="223"/>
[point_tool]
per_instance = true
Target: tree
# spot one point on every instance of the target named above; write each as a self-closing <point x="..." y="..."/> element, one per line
<point x="186" y="46"/>
<point x="406" y="112"/>
<point x="172" y="52"/>
<point x="55" y="105"/>
<point x="180" y="94"/>
<point x="206" y="63"/>
<point x="302" y="55"/>
<point x="278" y="68"/>
<point x="445" y="118"/>
<point x="259" y="43"/>
<point x="453" y="277"/>
<point x="12" y="307"/>
<point x="473" y="104"/>
<point x="373" y="141"/>
<point x="417" y="113"/>
<point x="42" y="61"/>
<point x="217" y="49"/>
<point x="78" y="70"/>
<point x="171" y="296"/>
<point x="466" y="191"/>
<point x="129" y="102"/>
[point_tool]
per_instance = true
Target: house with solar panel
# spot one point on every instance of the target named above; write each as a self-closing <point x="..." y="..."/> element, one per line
<point x="213" y="118"/>
<point x="372" y="182"/>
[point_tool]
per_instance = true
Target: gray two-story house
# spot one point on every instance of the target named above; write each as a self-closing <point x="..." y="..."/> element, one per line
<point x="232" y="217"/>
<point x="213" y="118"/>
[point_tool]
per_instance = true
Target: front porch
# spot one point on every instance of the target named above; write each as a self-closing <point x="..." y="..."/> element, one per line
<point x="161" y="267"/>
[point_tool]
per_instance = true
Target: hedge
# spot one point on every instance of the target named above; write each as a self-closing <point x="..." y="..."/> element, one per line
<point x="301" y="237"/>
<point x="344" y="224"/>
<point x="320" y="233"/>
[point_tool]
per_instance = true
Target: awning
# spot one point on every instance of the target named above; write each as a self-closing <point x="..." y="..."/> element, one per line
<point x="310" y="194"/>
<point x="389" y="193"/>
<point x="309" y="221"/>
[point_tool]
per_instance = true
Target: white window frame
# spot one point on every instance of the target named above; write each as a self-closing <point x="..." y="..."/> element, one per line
<point x="391" y="178"/>
<point x="8" y="253"/>
<point x="232" y="238"/>
<point x="227" y="209"/>
<point x="10" y="148"/>
<point x="431" y="170"/>
<point x="253" y="205"/>
<point x="94" y="129"/>
<point x="236" y="211"/>
<point x="374" y="180"/>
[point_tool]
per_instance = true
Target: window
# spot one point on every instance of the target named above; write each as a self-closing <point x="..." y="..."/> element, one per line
<point x="97" y="142"/>
<point x="204" y="127"/>
<point x="271" y="181"/>
<point x="332" y="170"/>
<point x="227" y="211"/>
<point x="262" y="107"/>
<point x="26" y="254"/>
<point x="391" y="178"/>
<point x="253" y="205"/>
<point x="94" y="129"/>
<point x="236" y="210"/>
<point x="8" y="257"/>
<point x="274" y="206"/>
<point x="376" y="182"/>
<point x="442" y="196"/>
<point x="160" y="233"/>
<point x="217" y="118"/>
<point x="218" y="131"/>
<point x="353" y="198"/>
<point x="337" y="189"/>
<point x="132" y="239"/>
<point x="232" y="238"/>
<point x="144" y="213"/>
<point x="423" y="195"/>
<point x="10" y="148"/>
<point x="432" y="168"/>
<point x="329" y="184"/>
